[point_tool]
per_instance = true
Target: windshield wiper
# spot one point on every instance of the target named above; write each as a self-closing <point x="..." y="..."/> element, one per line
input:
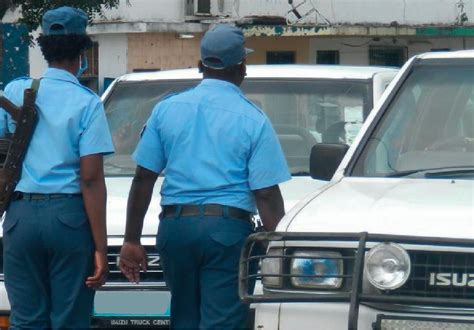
<point x="434" y="172"/>
<point x="450" y="172"/>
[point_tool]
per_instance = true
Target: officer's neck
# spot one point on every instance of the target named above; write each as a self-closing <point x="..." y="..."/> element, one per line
<point x="232" y="79"/>
<point x="66" y="65"/>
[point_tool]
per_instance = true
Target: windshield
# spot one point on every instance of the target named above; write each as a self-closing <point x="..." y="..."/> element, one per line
<point x="303" y="113"/>
<point x="428" y="126"/>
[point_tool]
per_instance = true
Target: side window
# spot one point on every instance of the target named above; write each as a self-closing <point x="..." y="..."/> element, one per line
<point x="387" y="56"/>
<point x="90" y="78"/>
<point x="304" y="113"/>
<point x="327" y="57"/>
<point x="288" y="57"/>
<point x="467" y="120"/>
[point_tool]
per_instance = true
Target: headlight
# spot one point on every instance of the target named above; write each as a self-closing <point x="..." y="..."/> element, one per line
<point x="320" y="267"/>
<point x="387" y="266"/>
<point x="272" y="266"/>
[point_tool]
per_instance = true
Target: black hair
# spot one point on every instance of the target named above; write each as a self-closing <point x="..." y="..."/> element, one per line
<point x="57" y="48"/>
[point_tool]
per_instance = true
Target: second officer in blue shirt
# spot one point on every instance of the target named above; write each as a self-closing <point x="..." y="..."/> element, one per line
<point x="222" y="162"/>
<point x="54" y="233"/>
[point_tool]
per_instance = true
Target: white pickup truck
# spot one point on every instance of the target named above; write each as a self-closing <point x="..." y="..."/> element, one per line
<point x="307" y="104"/>
<point x="388" y="243"/>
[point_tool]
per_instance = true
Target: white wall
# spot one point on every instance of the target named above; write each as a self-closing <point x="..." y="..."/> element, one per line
<point x="403" y="12"/>
<point x="138" y="11"/>
<point x="112" y="56"/>
<point x="355" y="51"/>
<point x="347" y="55"/>
<point x="37" y="63"/>
<point x="146" y="11"/>
<point x="366" y="11"/>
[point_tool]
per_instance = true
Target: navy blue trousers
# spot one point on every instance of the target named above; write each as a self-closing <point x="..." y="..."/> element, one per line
<point x="200" y="258"/>
<point x="48" y="254"/>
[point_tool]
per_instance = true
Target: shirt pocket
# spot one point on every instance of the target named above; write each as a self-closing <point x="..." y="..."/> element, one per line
<point x="73" y="220"/>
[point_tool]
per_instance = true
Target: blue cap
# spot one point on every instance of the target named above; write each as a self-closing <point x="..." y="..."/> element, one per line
<point x="64" y="21"/>
<point x="223" y="46"/>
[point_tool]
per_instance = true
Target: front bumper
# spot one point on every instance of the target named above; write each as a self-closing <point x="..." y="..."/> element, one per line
<point x="124" y="306"/>
<point x="333" y="316"/>
<point x="340" y="309"/>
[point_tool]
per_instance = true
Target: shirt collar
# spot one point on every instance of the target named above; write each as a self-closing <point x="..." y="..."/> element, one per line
<point x="220" y="83"/>
<point x="60" y="74"/>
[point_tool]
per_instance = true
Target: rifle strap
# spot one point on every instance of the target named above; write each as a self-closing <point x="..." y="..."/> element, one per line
<point x="35" y="85"/>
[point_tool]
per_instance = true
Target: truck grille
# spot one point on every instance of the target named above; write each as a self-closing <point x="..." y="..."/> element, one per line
<point x="455" y="271"/>
<point x="437" y="279"/>
<point x="154" y="270"/>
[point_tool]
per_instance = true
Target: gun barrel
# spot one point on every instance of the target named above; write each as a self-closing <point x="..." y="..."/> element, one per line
<point x="9" y="107"/>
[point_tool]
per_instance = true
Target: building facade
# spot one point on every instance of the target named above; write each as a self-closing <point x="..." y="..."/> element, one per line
<point x="143" y="35"/>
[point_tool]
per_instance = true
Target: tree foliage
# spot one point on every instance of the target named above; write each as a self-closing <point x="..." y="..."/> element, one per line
<point x="32" y="10"/>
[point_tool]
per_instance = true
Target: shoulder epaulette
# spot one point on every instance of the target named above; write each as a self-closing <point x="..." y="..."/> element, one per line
<point x="251" y="103"/>
<point x="85" y="88"/>
<point x="168" y="96"/>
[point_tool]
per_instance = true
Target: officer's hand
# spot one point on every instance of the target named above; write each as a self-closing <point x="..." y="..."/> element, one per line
<point x="132" y="259"/>
<point x="101" y="271"/>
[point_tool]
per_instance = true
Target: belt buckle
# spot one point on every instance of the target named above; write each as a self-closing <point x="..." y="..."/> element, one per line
<point x="257" y="223"/>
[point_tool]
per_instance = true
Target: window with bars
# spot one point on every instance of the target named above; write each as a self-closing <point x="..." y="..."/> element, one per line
<point x="286" y="57"/>
<point x="90" y="78"/>
<point x="387" y="56"/>
<point x="327" y="57"/>
<point x="189" y="10"/>
<point x="204" y="6"/>
<point x="93" y="61"/>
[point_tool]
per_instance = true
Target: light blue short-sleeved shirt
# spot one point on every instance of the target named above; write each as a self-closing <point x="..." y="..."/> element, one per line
<point x="71" y="124"/>
<point x="214" y="145"/>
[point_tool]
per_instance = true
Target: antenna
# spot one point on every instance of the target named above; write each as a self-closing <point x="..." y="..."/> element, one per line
<point x="299" y="12"/>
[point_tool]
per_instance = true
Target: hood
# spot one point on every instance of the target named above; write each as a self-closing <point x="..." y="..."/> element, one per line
<point x="417" y="207"/>
<point x="119" y="187"/>
<point x="117" y="196"/>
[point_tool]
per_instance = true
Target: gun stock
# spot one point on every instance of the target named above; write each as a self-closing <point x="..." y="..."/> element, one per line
<point x="26" y="118"/>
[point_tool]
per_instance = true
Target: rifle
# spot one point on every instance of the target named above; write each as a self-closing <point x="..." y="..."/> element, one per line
<point x="13" y="148"/>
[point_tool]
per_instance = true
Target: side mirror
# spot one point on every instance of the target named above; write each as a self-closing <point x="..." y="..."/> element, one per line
<point x="325" y="159"/>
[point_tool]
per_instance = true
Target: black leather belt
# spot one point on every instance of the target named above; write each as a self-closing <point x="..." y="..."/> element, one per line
<point x="17" y="195"/>
<point x="211" y="210"/>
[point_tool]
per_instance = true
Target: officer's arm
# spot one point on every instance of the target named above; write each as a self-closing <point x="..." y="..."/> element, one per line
<point x="132" y="254"/>
<point x="270" y="206"/>
<point x="138" y="201"/>
<point x="95" y="195"/>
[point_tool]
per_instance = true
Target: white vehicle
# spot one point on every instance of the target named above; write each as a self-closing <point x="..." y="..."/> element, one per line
<point x="389" y="242"/>
<point x="306" y="104"/>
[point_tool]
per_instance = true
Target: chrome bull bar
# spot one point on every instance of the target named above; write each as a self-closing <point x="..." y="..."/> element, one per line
<point x="354" y="294"/>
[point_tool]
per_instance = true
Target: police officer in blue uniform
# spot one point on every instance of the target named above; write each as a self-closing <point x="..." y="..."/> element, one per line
<point x="54" y="231"/>
<point x="222" y="162"/>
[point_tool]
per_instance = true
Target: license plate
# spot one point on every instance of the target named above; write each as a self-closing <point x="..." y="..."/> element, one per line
<point x="130" y="322"/>
<point x="132" y="304"/>
<point x="387" y="322"/>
